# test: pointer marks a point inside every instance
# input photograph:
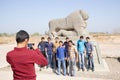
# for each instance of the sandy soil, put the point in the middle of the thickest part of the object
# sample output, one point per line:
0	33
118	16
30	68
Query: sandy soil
114	74
110	49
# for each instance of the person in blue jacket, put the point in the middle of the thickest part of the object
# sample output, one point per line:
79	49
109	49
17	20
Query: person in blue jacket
81	51
60	55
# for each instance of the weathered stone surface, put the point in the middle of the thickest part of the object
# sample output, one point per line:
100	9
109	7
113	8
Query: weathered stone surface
75	24
66	33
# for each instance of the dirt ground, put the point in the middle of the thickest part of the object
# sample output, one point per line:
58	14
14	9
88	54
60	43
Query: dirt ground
114	74
114	66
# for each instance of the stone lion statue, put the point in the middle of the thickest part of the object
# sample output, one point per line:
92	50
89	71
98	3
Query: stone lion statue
73	24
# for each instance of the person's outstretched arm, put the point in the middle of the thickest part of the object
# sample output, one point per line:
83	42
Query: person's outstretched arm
39	58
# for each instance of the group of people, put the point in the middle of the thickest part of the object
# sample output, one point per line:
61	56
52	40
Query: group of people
67	55
53	55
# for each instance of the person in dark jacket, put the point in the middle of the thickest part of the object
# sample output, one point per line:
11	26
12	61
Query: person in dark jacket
41	46
49	52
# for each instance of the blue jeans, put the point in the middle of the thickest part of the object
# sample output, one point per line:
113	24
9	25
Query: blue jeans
81	60
90	61
63	66
49	58
72	65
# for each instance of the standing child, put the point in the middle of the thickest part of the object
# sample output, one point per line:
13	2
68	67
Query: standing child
61	58
89	53
73	58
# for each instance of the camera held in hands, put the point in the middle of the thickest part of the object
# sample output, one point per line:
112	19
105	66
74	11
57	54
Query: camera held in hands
30	45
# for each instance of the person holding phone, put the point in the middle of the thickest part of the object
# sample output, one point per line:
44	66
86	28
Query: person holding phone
22	59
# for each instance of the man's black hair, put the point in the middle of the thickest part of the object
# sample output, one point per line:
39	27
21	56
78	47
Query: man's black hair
81	37
49	38
67	37
21	36
71	42
60	41
87	37
56	37
42	38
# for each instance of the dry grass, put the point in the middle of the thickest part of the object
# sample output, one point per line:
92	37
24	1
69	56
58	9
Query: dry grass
107	38
101	38
7	40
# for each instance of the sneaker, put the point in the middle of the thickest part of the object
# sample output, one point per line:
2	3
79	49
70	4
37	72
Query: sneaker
64	74
72	75
58	73
40	69
67	73
92	70
46	67
88	68
78	69
83	69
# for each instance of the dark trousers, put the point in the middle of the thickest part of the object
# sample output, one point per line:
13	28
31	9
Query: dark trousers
90	61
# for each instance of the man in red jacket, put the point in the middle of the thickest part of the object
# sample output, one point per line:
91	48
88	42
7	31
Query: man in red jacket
22	59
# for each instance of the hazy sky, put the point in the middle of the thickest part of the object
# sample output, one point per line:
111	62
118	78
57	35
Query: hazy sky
34	15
